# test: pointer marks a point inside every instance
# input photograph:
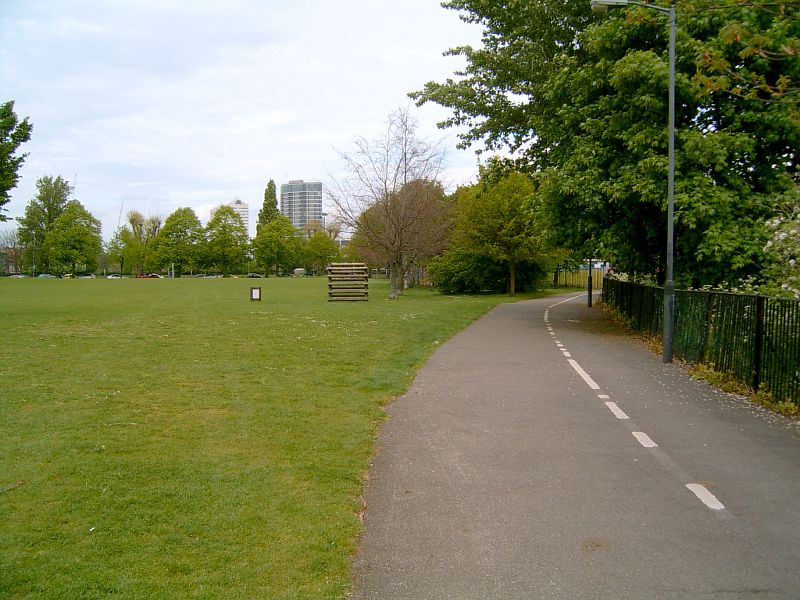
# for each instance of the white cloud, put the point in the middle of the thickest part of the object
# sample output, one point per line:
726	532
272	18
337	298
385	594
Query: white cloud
161	104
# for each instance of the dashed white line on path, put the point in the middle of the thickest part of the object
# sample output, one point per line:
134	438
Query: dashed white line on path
644	439
697	489
584	375
618	412
706	497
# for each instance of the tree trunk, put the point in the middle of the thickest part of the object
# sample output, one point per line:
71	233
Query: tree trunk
512	277
392	280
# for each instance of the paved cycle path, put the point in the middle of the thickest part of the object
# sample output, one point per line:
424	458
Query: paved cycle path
540	453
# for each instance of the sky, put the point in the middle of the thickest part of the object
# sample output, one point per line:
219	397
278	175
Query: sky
153	105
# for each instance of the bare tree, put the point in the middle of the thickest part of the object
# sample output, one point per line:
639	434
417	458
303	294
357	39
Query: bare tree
392	199
12	251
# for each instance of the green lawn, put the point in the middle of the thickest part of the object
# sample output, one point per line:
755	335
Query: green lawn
172	439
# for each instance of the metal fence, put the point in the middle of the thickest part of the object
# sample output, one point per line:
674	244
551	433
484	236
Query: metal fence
754	338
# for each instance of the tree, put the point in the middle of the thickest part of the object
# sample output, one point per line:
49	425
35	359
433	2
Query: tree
320	250
75	238
115	248
227	241
391	193
277	245
11	251
40	216
750	50
13	133
497	220
582	102
269	209
180	241
138	241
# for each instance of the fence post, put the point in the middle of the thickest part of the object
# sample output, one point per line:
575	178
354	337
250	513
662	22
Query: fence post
759	339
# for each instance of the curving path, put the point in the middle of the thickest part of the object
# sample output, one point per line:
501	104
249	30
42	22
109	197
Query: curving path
541	454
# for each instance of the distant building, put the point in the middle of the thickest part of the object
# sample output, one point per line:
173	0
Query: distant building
301	203
243	210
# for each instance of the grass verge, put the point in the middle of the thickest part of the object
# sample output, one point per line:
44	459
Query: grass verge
171	438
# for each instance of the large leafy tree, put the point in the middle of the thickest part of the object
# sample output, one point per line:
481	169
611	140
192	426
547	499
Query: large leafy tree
75	239
320	250
13	133
495	228
180	241
269	210
582	101
138	241
226	241
40	216
277	245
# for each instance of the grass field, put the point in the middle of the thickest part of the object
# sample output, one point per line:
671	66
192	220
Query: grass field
172	439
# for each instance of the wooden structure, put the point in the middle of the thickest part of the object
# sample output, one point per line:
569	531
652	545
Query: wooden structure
348	282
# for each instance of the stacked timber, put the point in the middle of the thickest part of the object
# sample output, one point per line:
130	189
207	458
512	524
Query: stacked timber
348	282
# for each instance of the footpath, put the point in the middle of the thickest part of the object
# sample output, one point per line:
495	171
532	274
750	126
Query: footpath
541	453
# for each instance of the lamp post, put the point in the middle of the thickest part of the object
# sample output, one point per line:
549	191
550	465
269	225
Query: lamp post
669	284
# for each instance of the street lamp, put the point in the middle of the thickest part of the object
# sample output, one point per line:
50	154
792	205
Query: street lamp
669	284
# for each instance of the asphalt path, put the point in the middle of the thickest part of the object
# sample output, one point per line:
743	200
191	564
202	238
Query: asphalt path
541	453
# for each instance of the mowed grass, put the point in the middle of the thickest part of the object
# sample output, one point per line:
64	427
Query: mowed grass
173	439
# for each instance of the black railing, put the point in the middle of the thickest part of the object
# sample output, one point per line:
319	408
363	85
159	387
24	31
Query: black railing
754	338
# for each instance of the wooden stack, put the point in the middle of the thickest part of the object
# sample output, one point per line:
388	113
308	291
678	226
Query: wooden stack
348	282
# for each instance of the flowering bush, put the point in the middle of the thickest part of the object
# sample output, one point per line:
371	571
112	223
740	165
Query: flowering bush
783	248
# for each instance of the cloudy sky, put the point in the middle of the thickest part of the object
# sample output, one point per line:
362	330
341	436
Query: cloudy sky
157	104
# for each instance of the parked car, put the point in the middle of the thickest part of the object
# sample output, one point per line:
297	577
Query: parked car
18	276
46	276
87	276
149	276
114	276
254	275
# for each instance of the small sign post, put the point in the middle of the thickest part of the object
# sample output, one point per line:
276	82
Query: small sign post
255	294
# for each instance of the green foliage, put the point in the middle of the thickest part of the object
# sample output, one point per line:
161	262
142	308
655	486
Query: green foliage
180	241
278	246
582	102
750	49
320	250
13	133
226	241
269	210
41	214
496	220
783	248
459	271
75	239
137	240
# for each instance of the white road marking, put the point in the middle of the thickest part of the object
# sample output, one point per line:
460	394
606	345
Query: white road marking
584	375
706	497
697	489
644	439
618	412
570	299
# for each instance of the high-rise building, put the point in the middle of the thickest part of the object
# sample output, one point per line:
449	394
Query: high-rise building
243	210
301	202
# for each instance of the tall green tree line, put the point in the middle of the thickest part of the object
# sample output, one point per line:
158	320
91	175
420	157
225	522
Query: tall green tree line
580	102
